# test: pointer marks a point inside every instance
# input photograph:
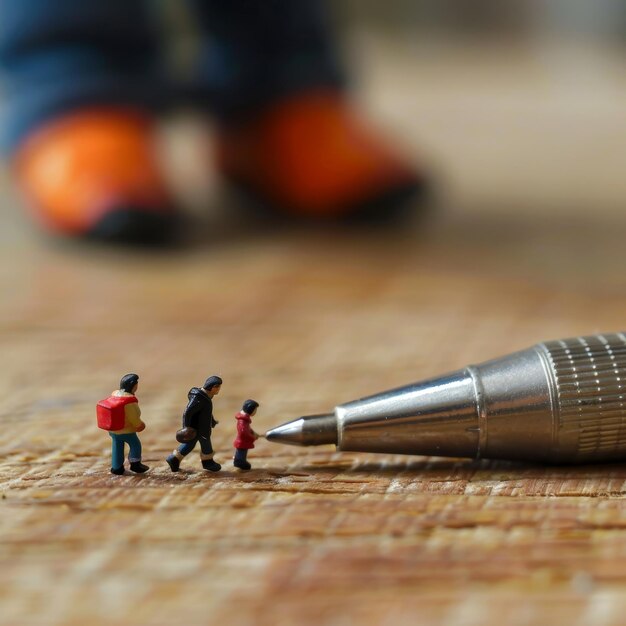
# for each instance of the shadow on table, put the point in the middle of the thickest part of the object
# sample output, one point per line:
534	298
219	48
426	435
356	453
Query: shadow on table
431	469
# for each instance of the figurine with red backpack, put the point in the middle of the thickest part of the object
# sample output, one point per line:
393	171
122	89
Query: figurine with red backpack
120	415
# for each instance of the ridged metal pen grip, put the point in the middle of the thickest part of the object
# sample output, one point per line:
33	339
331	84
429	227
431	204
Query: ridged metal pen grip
558	402
589	376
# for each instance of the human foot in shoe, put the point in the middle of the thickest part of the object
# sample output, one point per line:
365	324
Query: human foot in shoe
313	156
94	174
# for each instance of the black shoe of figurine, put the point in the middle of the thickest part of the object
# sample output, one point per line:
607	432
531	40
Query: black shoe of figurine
242	465
117	470
173	462
211	465
138	467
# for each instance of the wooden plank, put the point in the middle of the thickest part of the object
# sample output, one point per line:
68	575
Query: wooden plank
299	321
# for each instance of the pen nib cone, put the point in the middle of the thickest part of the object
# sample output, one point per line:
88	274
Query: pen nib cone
290	433
310	430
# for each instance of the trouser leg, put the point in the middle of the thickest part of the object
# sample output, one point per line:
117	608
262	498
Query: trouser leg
257	52
134	444
117	451
206	449
241	455
184	449
62	54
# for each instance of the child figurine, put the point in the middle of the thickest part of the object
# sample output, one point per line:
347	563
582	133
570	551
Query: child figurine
121	416
245	435
198	423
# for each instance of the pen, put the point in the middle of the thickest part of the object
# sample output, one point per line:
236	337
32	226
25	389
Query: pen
560	401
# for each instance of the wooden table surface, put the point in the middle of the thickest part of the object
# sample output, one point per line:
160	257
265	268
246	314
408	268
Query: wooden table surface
301	321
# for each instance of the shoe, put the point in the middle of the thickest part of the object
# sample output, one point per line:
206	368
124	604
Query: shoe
312	156
94	174
117	470
242	465
173	462
138	467
211	465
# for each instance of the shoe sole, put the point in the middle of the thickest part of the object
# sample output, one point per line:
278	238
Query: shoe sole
128	226
392	205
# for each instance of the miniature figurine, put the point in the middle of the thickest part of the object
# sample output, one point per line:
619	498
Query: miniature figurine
245	435
198	422
121	416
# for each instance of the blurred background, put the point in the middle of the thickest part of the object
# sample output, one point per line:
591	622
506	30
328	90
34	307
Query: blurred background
512	103
514	107
516	110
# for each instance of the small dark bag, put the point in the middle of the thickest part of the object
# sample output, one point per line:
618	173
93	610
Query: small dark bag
187	434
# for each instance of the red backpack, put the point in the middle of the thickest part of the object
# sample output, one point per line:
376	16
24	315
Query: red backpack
110	412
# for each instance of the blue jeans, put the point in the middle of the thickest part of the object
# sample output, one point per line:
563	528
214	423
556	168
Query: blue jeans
117	449
205	447
58	55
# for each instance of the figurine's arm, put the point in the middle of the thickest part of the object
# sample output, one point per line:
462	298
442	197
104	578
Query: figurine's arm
132	413
190	416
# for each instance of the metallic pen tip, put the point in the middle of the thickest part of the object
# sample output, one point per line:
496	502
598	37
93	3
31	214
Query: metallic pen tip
290	433
310	430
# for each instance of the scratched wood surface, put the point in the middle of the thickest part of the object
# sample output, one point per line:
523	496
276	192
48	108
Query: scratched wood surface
301	321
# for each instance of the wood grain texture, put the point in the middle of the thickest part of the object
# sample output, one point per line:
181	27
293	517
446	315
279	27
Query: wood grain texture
299	321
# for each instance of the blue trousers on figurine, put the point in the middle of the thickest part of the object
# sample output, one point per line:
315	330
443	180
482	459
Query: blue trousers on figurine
117	449
59	55
205	447
241	455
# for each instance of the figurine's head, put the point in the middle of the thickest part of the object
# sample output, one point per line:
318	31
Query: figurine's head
129	383
212	386
250	407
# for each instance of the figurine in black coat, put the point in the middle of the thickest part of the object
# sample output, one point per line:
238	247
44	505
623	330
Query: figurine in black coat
198	423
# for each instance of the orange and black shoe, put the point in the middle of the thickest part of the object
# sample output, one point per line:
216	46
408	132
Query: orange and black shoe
94	174
311	156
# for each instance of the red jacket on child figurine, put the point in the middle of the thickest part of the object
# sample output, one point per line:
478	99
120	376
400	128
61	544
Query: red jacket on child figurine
245	435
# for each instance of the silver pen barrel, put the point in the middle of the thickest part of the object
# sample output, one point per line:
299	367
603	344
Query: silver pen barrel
560	401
